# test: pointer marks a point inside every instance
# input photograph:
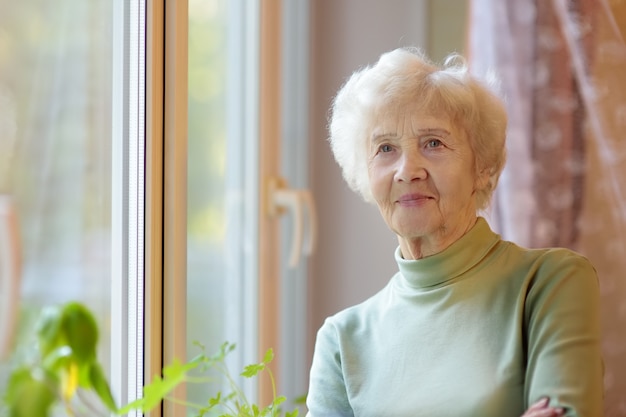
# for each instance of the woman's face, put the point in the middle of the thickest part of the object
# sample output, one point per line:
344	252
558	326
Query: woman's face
422	176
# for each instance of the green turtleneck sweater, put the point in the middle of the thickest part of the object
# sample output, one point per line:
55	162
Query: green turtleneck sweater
483	329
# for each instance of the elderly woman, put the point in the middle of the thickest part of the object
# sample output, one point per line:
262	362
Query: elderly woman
470	325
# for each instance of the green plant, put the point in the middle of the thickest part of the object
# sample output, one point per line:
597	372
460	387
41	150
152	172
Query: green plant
65	366
64	362
233	403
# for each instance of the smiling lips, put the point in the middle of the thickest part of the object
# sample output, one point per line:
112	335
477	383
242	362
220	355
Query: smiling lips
413	199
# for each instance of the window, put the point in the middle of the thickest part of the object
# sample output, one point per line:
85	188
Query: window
56	154
142	198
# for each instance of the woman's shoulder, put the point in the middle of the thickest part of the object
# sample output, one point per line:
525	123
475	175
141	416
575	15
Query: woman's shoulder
535	270
553	269
549	257
361	313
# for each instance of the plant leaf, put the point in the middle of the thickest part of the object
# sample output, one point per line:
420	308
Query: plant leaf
269	356
215	400
48	329
156	391
301	400
101	386
81	331
31	394
252	370
58	359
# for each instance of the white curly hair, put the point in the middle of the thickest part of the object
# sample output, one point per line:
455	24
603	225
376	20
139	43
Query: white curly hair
405	77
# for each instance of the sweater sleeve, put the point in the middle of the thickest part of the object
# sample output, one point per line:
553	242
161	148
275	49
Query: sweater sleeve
327	394
563	335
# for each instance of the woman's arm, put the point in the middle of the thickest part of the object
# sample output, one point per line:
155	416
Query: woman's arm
563	335
327	395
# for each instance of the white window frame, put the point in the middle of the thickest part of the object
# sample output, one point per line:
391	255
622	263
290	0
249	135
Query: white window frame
127	218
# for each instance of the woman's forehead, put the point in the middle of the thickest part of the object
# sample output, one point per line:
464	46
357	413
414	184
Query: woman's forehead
413	119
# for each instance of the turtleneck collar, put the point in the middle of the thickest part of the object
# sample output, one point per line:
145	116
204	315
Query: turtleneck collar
451	262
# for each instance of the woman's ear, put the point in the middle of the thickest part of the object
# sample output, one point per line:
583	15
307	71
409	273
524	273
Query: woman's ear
482	179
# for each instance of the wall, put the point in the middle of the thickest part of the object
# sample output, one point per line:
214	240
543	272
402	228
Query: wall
354	257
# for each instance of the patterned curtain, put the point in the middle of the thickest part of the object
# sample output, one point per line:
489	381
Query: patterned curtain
557	132
562	67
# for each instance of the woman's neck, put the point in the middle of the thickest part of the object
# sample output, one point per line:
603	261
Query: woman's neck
428	245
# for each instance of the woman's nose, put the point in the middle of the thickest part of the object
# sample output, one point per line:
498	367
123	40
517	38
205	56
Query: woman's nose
410	167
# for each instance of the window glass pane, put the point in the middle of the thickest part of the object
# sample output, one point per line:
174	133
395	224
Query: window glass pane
207	226
222	232
55	152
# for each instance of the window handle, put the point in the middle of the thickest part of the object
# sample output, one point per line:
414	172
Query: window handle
9	273
300	203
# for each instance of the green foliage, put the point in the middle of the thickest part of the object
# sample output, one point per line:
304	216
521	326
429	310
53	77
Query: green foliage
67	338
30	393
231	403
66	363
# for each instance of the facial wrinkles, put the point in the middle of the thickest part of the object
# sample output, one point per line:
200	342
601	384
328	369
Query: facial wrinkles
442	131
408	133
406	136
461	152
392	122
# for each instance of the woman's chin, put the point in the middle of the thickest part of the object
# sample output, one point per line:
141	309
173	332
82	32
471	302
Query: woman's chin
412	232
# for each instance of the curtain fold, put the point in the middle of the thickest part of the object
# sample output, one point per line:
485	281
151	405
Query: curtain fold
501	40
557	141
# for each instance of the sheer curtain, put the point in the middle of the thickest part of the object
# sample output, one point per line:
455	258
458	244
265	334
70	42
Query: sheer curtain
562	65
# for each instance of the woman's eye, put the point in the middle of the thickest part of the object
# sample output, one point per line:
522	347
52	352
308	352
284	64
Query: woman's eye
385	148
433	143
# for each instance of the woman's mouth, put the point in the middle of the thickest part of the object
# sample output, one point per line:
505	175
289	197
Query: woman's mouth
413	199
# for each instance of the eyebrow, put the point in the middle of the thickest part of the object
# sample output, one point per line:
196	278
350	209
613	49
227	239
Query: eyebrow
379	136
